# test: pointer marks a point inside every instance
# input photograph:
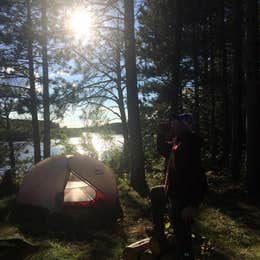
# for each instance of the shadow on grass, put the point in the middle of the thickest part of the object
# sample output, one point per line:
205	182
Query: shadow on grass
228	236
71	224
104	247
230	199
72	234
133	204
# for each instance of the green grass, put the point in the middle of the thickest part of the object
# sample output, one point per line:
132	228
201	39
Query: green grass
59	250
229	221
234	239
227	228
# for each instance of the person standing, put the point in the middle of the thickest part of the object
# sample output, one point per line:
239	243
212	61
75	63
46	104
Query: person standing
185	184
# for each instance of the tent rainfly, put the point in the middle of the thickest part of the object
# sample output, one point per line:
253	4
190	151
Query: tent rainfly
72	181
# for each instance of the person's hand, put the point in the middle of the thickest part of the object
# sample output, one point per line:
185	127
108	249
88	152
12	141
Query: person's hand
188	214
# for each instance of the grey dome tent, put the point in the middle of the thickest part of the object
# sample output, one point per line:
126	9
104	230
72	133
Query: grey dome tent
75	181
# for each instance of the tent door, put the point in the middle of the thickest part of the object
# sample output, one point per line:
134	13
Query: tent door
78	191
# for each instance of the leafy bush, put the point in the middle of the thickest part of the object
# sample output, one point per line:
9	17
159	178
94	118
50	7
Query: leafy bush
114	159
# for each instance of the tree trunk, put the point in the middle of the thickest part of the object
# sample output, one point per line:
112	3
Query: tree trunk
237	84
122	108
205	94
196	94
46	102
222	72
252	99
137	177
177	30
35	123
194	47
10	142
213	135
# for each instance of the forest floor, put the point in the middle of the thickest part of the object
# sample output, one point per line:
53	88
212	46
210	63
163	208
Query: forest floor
227	228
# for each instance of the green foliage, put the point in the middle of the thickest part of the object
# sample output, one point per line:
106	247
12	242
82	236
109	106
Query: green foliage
23	165
113	158
104	129
153	161
22	129
205	43
3	149
94	116
67	147
131	199
87	145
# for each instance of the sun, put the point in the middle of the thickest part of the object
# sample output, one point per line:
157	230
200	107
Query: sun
81	23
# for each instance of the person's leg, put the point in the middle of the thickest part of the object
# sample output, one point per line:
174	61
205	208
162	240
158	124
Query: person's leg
182	236
158	201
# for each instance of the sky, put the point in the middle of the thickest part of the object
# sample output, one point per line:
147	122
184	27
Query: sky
78	23
72	117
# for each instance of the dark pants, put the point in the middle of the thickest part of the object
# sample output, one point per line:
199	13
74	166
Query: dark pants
182	229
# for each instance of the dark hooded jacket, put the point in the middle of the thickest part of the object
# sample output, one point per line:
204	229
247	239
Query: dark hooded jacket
185	180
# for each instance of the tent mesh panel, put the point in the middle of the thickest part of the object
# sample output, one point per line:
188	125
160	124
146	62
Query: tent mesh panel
77	190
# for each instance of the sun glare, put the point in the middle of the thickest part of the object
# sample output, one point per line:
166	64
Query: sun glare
81	23
98	143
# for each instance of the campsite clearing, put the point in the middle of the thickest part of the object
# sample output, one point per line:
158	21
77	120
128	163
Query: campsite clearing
221	234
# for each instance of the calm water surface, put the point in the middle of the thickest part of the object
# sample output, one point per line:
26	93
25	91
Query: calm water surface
100	144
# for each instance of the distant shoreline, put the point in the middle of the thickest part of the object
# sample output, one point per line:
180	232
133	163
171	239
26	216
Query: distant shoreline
22	131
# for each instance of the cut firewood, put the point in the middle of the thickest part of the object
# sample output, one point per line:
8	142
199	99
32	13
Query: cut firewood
133	251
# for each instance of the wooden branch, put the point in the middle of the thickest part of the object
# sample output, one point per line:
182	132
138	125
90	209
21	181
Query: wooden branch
106	107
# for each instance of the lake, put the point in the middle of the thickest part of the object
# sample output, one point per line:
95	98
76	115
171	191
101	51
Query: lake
99	142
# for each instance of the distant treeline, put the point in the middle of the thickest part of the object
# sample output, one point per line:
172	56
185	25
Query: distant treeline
22	130
113	128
